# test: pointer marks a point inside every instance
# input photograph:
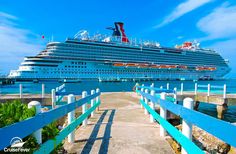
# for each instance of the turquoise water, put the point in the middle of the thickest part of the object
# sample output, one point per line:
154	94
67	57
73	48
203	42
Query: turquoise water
35	88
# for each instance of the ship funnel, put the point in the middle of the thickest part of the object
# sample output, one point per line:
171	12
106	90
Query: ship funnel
119	31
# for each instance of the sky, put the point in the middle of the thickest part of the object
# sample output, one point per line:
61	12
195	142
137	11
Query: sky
170	22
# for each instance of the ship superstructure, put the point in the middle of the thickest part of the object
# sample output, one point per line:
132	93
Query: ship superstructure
117	57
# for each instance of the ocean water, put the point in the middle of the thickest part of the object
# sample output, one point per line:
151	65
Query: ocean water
35	88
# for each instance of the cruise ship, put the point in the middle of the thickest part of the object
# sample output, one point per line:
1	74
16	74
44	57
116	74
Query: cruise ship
118	57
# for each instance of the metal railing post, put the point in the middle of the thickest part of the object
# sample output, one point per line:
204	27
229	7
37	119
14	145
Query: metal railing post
97	98
181	88
71	117
163	114
195	90
146	102
92	102
84	108
38	133
43	90
167	86
21	90
175	95
224	93
53	98
187	126
152	106
208	89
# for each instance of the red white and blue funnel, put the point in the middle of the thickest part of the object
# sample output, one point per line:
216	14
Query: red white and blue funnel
120	32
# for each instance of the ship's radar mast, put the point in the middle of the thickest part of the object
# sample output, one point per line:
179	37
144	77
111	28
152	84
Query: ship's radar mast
82	34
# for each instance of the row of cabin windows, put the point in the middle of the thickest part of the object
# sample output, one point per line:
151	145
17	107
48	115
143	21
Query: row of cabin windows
79	63
68	66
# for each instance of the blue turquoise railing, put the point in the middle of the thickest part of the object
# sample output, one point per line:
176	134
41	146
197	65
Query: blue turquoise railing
27	127
220	129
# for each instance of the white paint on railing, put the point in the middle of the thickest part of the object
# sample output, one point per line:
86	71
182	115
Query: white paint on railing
146	102
38	133
152	85
181	88
175	95
97	98
224	92
142	98
84	108
53	98
163	114
57	89
92	102
71	117
187	126
167	86
43	90
152	106
208	89
195	91
21	90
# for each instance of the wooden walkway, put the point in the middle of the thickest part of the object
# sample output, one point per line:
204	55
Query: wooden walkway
120	126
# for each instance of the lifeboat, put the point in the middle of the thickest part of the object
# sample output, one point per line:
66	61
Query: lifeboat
183	67
172	66
155	66
131	64
118	64
201	68
212	68
164	66
143	65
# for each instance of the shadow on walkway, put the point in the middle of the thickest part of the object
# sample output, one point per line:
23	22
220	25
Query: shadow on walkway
107	135
93	137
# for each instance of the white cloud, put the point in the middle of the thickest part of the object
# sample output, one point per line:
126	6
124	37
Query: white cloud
15	43
181	10
220	23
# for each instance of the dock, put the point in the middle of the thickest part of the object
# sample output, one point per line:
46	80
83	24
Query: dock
119	127
121	122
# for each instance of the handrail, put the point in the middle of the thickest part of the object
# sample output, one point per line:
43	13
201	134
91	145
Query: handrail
28	126
157	90
49	145
183	140
210	124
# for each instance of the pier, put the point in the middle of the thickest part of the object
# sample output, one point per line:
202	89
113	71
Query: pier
123	122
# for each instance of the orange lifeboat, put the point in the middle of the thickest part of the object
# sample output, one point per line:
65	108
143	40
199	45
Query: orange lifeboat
172	66
118	64
183	67
212	68
155	66
131	64
143	65
164	66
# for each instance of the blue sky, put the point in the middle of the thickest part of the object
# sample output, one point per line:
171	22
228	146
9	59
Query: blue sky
22	23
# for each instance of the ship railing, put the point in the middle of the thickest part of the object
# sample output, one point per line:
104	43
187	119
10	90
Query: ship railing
35	124
218	128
